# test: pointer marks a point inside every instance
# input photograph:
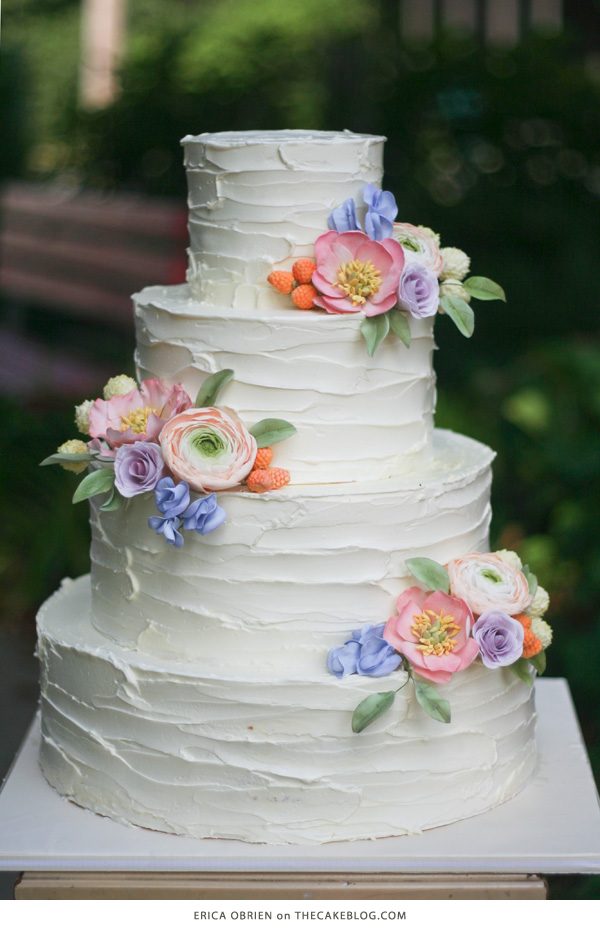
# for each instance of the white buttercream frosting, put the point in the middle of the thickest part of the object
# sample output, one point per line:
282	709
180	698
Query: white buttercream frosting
357	418
259	200
266	755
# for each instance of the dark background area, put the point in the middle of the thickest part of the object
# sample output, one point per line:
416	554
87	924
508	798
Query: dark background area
494	143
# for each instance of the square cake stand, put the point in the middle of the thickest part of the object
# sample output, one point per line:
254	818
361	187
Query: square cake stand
552	826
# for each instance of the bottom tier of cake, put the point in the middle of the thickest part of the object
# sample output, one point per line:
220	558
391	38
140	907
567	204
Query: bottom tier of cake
184	748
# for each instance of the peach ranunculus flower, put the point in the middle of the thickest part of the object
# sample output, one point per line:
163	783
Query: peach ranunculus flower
138	416
208	447
487	582
419	246
432	632
355	273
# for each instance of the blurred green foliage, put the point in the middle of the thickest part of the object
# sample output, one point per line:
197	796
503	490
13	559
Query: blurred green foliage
498	150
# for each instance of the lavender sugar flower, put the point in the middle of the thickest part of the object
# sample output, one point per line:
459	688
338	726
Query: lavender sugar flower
366	653
500	638
418	291
343	219
138	468
381	213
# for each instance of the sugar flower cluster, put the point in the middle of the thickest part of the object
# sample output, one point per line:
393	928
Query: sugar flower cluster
152	439
386	270
481	606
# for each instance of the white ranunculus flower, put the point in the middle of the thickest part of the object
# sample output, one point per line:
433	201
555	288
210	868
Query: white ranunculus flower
511	558
486	582
419	246
542	630
118	386
453	288
432	235
456	263
539	604
82	416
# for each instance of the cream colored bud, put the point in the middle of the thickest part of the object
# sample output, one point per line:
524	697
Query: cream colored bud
511	558
121	384
82	416
456	264
453	288
542	630
539	604
74	447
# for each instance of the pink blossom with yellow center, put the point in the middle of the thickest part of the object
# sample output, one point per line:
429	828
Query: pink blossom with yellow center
355	273
432	632
139	415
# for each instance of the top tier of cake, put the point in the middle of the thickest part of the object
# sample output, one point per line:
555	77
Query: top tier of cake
261	199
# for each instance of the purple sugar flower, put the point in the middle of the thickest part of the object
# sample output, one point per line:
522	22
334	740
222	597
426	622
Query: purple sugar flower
343	219
204	515
381	213
172	499
169	528
418	291
500	638
138	468
366	653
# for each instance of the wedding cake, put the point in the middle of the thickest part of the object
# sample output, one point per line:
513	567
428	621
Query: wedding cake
229	668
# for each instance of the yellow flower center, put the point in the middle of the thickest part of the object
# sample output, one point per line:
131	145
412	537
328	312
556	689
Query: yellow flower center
436	632
136	419
358	280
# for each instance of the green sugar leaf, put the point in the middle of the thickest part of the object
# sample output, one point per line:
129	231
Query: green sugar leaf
374	330
531	579
430	573
539	662
95	483
460	313
59	457
208	393
399	325
431	702
371	708
520	668
113	502
484	289
266	432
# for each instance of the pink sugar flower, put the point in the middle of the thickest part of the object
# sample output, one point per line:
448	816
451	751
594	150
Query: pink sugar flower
432	632
355	273
139	415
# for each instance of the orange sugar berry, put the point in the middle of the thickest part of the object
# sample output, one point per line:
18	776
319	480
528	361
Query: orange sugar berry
304	296
524	620
303	270
531	645
282	280
267	479
263	458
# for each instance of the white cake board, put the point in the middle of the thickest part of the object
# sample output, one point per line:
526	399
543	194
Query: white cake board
552	826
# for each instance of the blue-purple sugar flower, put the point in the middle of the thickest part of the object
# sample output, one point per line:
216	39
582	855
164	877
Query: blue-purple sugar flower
343	219
204	515
169	528
500	638
381	213
172	499
365	653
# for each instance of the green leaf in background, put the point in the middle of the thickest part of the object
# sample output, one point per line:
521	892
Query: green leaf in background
208	393
59	457
374	330
460	313
484	289
520	668
430	573
431	702
531	579
371	708
539	662
115	501
266	432
399	325
98	481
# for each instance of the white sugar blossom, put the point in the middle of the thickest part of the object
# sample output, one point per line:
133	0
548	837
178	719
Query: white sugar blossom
77	447
453	288
432	235
82	416
456	264
511	558
539	604
542	630
116	387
